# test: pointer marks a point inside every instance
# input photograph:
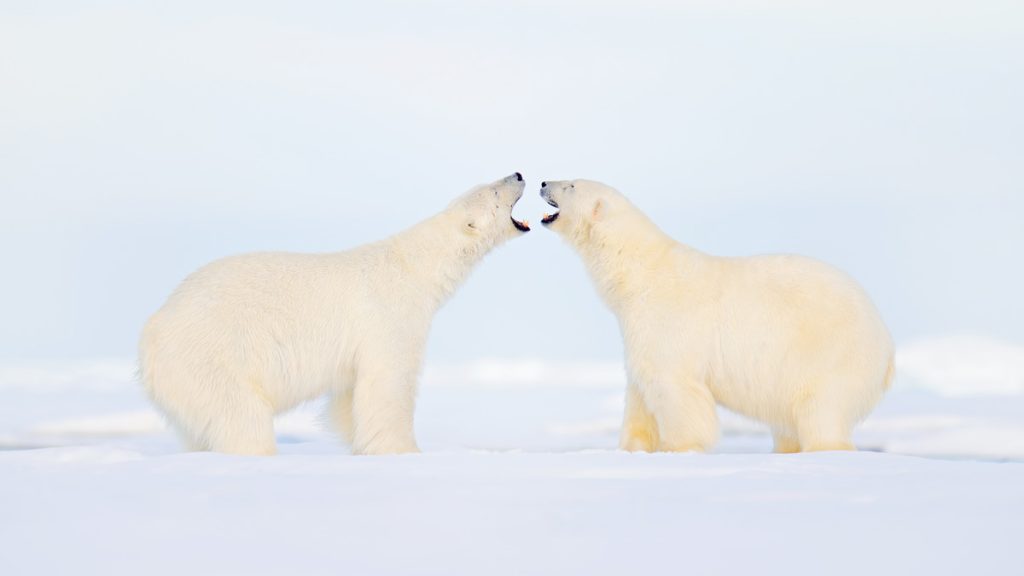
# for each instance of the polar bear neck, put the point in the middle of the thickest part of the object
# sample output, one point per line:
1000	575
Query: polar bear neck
438	256
620	254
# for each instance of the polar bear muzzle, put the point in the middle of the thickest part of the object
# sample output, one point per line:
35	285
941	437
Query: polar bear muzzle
546	195
521	225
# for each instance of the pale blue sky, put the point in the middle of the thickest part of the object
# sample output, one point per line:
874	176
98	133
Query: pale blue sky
140	140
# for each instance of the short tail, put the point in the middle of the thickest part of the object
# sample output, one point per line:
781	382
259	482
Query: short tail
890	373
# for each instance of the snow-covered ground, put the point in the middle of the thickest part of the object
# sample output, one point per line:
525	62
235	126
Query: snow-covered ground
519	476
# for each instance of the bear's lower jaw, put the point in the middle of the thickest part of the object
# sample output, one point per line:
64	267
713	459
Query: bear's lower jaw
523	226
549	218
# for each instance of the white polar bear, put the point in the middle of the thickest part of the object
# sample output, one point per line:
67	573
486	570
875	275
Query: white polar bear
250	336
786	340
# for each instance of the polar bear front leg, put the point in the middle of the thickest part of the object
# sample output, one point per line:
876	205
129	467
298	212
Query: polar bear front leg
639	429
785	442
383	403
339	411
685	413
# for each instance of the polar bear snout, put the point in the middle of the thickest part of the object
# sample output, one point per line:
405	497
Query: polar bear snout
512	178
511	189
548	192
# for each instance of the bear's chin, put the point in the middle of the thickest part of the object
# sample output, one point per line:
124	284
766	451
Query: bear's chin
523	226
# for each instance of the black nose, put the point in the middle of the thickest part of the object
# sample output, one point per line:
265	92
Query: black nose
543	184
519	177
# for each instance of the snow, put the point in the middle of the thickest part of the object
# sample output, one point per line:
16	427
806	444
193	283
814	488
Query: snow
315	511
519	475
963	365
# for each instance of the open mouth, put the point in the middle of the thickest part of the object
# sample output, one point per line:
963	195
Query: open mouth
549	218
521	225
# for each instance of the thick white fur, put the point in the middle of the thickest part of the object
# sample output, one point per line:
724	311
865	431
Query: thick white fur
786	340
250	336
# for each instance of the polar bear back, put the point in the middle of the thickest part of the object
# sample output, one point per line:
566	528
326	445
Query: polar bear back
790	324
297	320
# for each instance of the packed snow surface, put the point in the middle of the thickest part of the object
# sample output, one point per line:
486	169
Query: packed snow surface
519	475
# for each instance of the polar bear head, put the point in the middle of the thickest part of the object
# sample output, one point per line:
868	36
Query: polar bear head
485	213
585	208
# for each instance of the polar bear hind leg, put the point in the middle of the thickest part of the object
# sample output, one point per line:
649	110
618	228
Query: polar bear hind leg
247	428
823	422
219	416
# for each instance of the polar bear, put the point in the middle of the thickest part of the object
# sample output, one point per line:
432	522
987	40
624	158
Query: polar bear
785	340
250	336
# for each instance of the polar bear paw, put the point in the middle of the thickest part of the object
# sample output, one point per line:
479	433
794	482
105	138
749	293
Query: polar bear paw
635	440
